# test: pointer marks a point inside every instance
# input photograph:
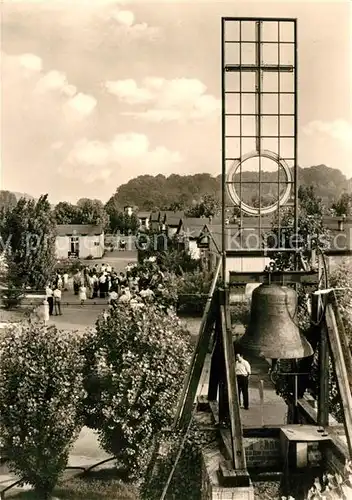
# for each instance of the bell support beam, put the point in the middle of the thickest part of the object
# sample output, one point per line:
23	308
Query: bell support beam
281	278
238	454
341	371
323	360
184	410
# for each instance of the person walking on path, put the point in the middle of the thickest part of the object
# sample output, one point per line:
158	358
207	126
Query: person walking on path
82	294
65	281
57	301
243	371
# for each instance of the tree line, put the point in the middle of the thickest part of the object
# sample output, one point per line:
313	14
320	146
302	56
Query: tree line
196	195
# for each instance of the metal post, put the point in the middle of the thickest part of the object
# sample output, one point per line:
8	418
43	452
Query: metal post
296	135
223	152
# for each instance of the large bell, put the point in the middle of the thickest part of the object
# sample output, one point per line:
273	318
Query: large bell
273	331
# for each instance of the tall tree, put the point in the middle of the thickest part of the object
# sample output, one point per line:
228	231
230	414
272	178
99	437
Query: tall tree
343	206
67	213
92	212
311	230
30	231
209	206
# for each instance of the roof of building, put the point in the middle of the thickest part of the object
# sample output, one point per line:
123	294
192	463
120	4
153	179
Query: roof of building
166	214
78	230
192	226
143	215
155	216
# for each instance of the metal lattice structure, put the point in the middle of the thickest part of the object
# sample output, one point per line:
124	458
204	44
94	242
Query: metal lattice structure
259	120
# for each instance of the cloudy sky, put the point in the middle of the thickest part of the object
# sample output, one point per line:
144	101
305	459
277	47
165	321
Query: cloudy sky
95	93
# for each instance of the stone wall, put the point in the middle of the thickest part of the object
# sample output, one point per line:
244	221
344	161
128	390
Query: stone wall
263	452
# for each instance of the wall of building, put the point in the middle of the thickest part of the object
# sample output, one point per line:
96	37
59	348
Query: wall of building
88	245
91	245
193	249
63	247
144	223
246	264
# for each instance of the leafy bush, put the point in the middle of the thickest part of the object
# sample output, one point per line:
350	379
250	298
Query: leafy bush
135	367
41	390
192	290
12	298
341	277
70	266
187	478
169	253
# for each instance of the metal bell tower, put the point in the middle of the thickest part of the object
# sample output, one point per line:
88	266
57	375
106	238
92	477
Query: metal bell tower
259	120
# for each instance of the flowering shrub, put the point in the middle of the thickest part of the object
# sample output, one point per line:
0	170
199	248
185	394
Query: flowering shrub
135	367
41	390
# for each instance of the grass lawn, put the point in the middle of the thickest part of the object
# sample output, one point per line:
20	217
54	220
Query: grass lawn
85	489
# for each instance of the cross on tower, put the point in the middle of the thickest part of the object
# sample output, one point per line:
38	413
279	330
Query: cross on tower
258	68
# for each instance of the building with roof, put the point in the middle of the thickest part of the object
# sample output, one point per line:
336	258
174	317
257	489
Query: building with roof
244	244
144	220
80	241
189	231
170	222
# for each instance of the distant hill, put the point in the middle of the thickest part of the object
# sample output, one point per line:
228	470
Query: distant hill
23	195
10	198
159	192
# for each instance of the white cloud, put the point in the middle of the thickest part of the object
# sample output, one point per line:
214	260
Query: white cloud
338	129
30	62
82	104
23	73
56	80
128	91
97	160
177	99
125	20
125	17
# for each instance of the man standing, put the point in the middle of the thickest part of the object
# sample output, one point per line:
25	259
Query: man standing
57	299
50	298
243	371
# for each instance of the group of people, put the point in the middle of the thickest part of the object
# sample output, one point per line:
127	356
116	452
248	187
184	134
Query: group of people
103	282
89	283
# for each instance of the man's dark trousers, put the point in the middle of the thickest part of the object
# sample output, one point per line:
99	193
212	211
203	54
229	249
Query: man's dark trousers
242	383
51	305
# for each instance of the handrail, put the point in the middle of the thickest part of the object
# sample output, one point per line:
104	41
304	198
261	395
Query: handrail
202	330
339	362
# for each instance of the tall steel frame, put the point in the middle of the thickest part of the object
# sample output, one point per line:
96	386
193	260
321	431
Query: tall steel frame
260	48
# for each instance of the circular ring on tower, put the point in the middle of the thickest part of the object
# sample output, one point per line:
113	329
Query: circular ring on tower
282	198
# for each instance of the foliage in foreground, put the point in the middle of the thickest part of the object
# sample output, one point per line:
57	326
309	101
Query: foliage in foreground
86	489
41	390
331	486
135	367
192	290
186	481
